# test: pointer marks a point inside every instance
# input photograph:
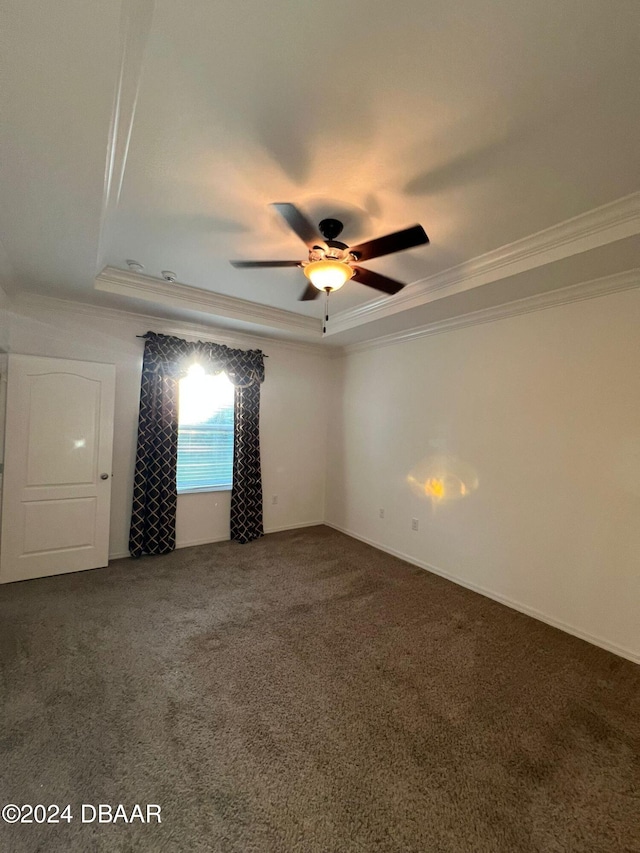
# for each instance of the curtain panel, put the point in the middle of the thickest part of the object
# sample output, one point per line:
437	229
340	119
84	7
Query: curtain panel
166	360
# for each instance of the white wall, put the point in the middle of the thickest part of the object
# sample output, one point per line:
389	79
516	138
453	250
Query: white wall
4	320
293	414
544	409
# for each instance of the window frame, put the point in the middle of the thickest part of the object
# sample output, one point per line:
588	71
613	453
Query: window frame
192	490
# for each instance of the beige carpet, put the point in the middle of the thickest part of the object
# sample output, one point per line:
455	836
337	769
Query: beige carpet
308	693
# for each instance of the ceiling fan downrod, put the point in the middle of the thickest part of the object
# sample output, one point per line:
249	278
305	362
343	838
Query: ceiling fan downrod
330	228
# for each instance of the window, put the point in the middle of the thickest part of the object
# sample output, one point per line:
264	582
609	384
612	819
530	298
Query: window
205	432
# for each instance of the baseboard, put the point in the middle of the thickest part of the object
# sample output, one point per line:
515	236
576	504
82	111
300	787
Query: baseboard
292	526
205	541
192	544
503	599
179	546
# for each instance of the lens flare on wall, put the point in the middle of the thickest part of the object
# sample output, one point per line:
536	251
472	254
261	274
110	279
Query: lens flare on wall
442	478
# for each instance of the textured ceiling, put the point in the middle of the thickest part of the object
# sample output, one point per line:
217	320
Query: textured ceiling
484	120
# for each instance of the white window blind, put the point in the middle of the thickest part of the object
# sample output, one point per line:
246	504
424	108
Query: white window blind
205	432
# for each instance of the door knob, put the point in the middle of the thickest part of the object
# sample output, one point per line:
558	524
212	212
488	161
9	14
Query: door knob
104	476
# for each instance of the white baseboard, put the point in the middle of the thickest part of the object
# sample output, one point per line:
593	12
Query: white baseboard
292	526
205	541
503	599
191	544
179	545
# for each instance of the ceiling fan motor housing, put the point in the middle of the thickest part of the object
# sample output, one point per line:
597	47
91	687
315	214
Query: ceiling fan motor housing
333	251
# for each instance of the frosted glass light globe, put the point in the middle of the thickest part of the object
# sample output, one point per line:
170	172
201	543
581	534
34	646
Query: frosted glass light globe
328	274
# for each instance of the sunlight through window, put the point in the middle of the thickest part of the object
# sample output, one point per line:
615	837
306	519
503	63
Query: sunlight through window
205	432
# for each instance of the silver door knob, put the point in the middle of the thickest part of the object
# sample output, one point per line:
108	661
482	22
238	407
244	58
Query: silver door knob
104	476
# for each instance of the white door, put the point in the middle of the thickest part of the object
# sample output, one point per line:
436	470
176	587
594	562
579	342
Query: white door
57	467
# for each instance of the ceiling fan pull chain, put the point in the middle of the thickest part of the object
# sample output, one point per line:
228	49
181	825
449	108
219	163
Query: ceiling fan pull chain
327	291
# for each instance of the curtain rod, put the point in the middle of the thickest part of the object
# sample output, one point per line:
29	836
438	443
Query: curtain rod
144	337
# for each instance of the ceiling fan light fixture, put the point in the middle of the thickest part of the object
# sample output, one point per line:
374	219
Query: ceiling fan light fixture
328	274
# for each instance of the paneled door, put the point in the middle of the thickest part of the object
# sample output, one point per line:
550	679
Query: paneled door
57	471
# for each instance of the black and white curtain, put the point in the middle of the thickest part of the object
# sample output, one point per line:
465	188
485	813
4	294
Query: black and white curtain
166	360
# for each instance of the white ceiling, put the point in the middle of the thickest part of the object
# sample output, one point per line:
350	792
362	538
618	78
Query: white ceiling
486	121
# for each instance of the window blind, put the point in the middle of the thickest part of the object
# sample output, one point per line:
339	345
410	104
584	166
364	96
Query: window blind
205	453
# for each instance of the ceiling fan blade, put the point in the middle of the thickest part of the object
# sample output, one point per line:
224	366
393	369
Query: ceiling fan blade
299	223
374	279
396	242
310	292
256	264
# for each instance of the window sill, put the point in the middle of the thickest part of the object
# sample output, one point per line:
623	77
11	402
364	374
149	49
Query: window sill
203	489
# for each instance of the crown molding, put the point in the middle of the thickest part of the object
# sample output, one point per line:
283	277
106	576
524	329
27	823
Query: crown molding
144	287
169	327
593	289
597	227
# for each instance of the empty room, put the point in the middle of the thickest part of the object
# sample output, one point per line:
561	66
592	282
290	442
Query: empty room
320	426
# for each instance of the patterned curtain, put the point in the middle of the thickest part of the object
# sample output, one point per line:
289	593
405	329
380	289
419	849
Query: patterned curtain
166	360
246	495
153	516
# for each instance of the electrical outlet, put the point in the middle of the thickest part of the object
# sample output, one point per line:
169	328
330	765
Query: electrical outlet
274	500
381	512
414	523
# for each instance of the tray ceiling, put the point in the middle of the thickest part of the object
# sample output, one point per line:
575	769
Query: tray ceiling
486	121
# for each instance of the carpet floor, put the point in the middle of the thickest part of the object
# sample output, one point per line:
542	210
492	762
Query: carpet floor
308	693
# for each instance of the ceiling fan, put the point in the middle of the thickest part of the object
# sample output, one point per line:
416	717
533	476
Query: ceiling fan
332	263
